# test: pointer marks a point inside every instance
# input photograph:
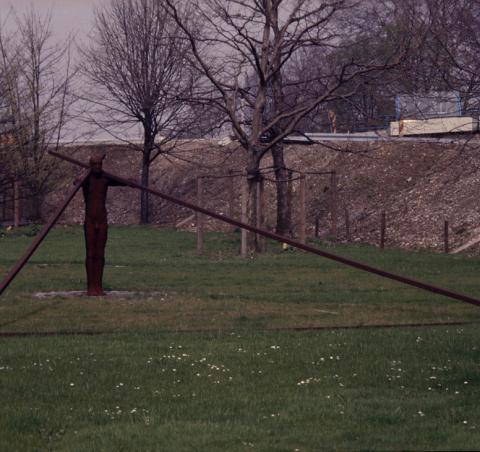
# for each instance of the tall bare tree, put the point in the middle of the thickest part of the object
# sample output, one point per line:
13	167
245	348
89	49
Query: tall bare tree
241	40
136	67
444	53
6	126
455	34
37	79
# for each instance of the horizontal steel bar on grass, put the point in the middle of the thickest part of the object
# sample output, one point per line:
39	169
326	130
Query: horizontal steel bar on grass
41	235
295	244
300	329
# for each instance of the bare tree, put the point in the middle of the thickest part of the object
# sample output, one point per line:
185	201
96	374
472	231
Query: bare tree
37	78
455	32
444	59
136	66
6	126
241	40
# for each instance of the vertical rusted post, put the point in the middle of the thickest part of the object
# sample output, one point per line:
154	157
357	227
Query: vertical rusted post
199	215
445	237
382	229
231	196
317	226
262	243
347	225
333	207
244	235
303	211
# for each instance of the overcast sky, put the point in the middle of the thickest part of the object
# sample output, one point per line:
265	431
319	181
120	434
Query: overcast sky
68	16
74	16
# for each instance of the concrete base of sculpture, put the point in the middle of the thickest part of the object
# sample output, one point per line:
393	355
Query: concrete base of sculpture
108	294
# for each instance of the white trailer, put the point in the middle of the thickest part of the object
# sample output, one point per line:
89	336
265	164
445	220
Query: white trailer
432	126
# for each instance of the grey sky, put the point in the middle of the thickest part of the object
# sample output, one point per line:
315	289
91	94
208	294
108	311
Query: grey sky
68	16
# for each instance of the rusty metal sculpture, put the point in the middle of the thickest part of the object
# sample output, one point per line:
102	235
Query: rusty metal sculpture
310	249
95	188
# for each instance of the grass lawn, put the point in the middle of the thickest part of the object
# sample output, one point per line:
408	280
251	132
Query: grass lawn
208	359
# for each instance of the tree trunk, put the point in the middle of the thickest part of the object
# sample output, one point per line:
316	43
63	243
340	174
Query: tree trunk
37	214
252	242
253	174
283	226
17	214
148	144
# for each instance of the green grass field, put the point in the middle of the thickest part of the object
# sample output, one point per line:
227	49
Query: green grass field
206	355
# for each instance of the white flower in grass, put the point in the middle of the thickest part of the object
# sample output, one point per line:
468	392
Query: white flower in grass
421	413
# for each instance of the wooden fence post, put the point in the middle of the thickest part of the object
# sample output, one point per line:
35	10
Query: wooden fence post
231	196
347	225
303	211
261	241
244	218
289	200
17	212
199	215
445	237
333	206
4	206
382	229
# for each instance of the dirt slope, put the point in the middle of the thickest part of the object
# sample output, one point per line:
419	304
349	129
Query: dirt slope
417	185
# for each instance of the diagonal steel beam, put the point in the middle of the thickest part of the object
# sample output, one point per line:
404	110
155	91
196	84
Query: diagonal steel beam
310	249
41	235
